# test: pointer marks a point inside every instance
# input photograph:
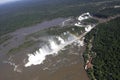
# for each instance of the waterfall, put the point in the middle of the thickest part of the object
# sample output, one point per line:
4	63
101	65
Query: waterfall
55	45
48	49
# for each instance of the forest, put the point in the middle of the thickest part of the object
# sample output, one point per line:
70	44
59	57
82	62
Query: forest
105	51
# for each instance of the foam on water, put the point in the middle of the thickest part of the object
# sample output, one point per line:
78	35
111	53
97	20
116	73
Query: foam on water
53	47
14	65
61	40
63	23
117	6
82	17
88	28
50	49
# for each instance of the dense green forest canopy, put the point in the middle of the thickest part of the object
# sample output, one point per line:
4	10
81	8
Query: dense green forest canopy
106	45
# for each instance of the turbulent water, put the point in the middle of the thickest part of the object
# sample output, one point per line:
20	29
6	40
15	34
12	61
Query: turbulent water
53	46
56	43
46	59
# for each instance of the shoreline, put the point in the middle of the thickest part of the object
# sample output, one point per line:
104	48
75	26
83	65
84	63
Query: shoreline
88	60
18	36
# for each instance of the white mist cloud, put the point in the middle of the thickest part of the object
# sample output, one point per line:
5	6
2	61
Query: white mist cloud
53	48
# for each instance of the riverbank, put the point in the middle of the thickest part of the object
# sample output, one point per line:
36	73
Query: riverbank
67	41
98	42
18	37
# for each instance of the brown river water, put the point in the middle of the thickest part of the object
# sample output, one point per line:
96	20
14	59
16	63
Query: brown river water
68	66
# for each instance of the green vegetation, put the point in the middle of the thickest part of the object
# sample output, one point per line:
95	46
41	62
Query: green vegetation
21	47
57	30
106	45
109	11
25	14
5	38
94	21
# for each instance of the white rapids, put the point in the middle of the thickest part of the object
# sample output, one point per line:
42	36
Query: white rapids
14	65
82	17
53	47
40	55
